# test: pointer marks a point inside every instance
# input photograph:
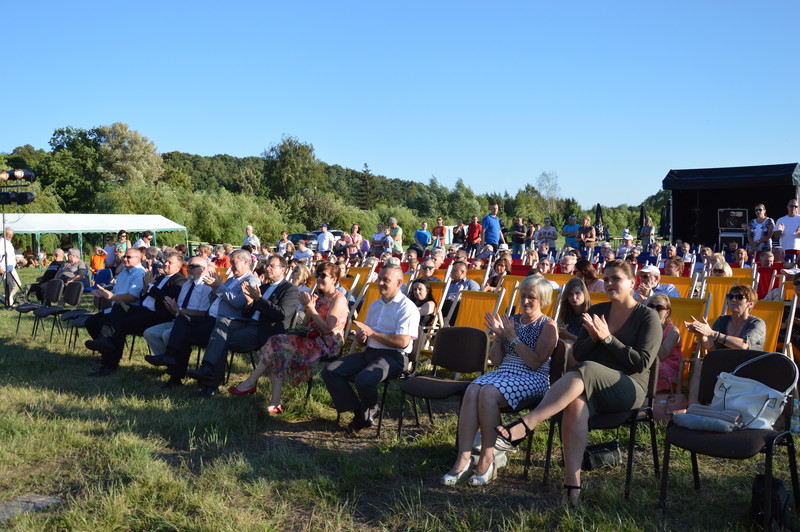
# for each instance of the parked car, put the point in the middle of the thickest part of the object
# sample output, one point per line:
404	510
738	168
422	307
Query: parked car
311	238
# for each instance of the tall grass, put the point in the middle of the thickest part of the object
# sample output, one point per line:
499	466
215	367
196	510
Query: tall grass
122	454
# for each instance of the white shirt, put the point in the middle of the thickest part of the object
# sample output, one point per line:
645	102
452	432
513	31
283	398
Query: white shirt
150	302
302	255
140	243
398	316
199	300
789	240
7	253
325	242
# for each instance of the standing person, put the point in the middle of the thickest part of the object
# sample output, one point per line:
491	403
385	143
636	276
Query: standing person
646	232
491	232
144	240
392	325
377	241
547	233
302	252
474	232
98	260
122	241
518	234
110	248
325	240
587	235
396	232
570	232
280	246
354	238
460	233
759	232
615	349
439	233
250	238
787	229
8	267
423	237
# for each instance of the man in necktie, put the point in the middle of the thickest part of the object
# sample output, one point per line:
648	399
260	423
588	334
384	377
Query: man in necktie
270	310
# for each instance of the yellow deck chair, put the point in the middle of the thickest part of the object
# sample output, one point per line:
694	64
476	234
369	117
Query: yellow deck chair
369	295
560	278
348	283
598	297
363	272
479	276
472	308
744	273
717	287
683	309
223	273
511	283
788	290
685	285
772	314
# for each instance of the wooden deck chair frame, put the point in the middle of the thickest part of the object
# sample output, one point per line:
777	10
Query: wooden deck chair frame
470	294
717	283
349	283
560	278
683	308
429	331
685	285
772	314
365	303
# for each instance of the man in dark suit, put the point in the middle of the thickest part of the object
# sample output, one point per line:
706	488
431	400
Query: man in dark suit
270	308
127	319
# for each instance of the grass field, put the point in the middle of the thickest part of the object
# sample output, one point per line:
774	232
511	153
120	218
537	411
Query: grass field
121	454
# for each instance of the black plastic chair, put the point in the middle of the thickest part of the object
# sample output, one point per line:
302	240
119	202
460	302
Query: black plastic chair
773	369
72	298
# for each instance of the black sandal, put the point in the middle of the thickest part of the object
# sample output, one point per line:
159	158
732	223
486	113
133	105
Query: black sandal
568	498
507	428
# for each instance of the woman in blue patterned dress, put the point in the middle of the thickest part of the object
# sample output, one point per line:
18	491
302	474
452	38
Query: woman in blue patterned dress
522	348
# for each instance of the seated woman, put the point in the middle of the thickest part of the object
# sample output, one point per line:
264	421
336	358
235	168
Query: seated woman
522	348
221	260
420	294
575	301
669	354
615	349
499	270
737	330
586	273
299	278
740	256
292	356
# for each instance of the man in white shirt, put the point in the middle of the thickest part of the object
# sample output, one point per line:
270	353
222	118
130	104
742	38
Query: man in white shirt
325	240
391	326
250	238
8	265
787	228
302	252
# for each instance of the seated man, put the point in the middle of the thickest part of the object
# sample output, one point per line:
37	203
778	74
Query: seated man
193	300
427	271
649	276
568	263
137	303
389	332
673	267
227	301
438	255
766	259
269	311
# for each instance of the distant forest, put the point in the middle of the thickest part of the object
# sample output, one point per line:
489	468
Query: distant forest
113	169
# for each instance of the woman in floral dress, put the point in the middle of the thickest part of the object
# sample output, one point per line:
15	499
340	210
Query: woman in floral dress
292	356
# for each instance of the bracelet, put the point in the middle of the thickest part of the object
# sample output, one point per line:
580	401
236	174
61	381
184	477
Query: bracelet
716	339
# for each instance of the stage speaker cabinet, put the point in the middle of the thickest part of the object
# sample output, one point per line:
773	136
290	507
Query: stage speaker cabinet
732	219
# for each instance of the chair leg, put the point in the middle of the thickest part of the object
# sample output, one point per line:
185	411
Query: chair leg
662	497
768	486
380	414
527	466
629	468
416	411
793	470
695	471
253	359
133	343
308	390
402	408
430	412
654	446
549	452
19	318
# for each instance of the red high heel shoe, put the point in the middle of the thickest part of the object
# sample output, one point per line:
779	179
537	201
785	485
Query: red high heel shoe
271	410
233	390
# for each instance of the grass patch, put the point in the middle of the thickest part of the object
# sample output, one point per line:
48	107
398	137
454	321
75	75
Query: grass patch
121	454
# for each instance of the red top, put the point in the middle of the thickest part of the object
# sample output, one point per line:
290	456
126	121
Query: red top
223	262
474	233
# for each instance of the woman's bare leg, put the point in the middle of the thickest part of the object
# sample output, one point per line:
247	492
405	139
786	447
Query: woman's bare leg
252	379
574	433
277	383
467	427
561	393
490	400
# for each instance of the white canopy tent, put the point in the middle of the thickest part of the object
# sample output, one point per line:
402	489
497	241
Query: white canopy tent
60	223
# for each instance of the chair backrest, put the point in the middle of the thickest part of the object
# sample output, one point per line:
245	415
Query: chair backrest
683	284
558	362
511	283
473	306
223	273
552	309
53	291
599	297
461	349
772	314
683	309
718	287
348	283
103	277
370	295
775	370
560	278
73	293
363	274
478	276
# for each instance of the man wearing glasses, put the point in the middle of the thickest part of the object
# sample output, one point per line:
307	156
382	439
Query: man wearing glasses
649	277
787	229
427	270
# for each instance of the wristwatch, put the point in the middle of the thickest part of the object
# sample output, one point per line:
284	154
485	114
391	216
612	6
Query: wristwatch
608	339
515	341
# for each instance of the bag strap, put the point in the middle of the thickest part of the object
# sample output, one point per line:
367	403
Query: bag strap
756	359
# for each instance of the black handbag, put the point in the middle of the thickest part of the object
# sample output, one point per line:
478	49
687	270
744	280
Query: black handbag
599	455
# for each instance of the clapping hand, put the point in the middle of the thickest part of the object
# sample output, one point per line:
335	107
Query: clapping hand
171	305
307	299
251	293
363	332
596	326
212	279
500	325
699	327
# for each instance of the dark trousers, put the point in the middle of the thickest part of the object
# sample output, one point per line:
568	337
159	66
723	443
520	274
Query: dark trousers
187	331
117	324
229	334
366	370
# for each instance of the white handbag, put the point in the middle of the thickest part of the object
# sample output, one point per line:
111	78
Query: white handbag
759	405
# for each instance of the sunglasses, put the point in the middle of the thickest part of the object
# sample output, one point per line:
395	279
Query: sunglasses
322	275
659	308
737	297
759	210
427	267
192	266
793	206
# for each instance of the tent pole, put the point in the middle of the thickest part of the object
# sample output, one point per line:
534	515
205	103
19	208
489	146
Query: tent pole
80	244
155	238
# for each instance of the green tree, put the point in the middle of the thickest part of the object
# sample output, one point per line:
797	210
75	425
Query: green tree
365	193
292	168
128	157
72	168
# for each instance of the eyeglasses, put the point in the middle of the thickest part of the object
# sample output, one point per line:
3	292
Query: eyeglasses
192	266
322	275
718	270
759	210
737	297
128	257
792	205
427	267
659	308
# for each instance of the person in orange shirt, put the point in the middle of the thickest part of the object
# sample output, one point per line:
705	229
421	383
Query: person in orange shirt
98	260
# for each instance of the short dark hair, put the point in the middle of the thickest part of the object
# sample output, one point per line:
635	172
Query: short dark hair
147	233
281	259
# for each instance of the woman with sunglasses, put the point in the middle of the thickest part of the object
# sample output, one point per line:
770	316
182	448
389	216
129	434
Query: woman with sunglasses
669	354
615	349
737	330
759	232
292	355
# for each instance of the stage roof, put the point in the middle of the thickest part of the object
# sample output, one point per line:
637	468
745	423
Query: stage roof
734	177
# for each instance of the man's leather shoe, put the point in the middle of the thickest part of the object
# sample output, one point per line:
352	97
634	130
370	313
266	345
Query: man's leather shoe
207	391
103	371
171	384
101	344
359	423
159	360
199	374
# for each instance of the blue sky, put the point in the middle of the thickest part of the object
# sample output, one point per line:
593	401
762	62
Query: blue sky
609	95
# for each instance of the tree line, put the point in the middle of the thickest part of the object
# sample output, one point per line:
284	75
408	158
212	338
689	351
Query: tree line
113	169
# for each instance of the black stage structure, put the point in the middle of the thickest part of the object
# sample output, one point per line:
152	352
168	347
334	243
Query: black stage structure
699	195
